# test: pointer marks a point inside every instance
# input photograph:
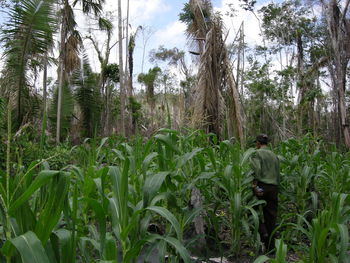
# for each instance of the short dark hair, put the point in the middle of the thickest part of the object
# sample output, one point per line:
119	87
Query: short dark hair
262	138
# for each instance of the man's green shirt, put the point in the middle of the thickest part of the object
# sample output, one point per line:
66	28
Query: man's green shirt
265	165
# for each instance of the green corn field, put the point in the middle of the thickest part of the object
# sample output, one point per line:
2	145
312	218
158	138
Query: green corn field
113	200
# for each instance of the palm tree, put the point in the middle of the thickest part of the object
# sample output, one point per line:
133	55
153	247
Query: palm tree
215	75
129	73
27	38
69	46
87	96
106	26
149	81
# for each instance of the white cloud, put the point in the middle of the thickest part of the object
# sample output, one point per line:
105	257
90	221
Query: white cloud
140	10
173	35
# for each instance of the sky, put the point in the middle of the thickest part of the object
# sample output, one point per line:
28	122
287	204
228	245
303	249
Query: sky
161	17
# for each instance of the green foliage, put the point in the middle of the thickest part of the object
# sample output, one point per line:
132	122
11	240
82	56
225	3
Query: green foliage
187	16
286	21
105	24
111	193
281	254
27	36
90	6
111	71
31	201
135	108
173	56
248	5
2	112
328	233
88	98
30	248
149	80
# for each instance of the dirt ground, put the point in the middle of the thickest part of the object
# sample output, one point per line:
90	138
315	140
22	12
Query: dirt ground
290	258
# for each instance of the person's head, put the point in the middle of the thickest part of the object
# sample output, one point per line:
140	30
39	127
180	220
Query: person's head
261	140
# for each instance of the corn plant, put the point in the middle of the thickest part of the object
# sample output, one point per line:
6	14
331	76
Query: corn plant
328	232
281	254
101	208
33	208
334	176
242	213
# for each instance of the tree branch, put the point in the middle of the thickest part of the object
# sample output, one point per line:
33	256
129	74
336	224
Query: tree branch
345	9
113	45
100	58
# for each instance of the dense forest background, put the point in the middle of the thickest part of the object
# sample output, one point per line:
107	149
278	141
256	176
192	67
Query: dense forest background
294	83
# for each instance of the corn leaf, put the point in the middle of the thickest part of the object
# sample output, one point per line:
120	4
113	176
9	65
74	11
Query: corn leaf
152	185
179	248
146	162
110	251
52	210
61	240
261	259
188	156
168	216
166	140
42	179
100	214
30	248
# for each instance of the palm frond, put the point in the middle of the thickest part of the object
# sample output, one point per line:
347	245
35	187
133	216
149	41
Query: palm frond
72	59
197	15
90	6
215	77
27	35
105	24
87	96
2	111
68	18
149	80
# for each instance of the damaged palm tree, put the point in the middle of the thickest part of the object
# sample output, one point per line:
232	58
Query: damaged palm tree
149	81
215	76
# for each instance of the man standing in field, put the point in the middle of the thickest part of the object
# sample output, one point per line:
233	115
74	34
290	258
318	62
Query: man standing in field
265	166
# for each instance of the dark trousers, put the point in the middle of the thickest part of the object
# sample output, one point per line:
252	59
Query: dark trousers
270	195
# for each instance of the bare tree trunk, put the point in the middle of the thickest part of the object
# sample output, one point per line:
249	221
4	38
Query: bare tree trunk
303	89
128	78
339	38
342	107
60	76
121	72
235	108
238	74
44	120
283	135
196	202
243	57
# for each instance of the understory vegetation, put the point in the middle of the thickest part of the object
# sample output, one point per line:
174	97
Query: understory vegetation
113	200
